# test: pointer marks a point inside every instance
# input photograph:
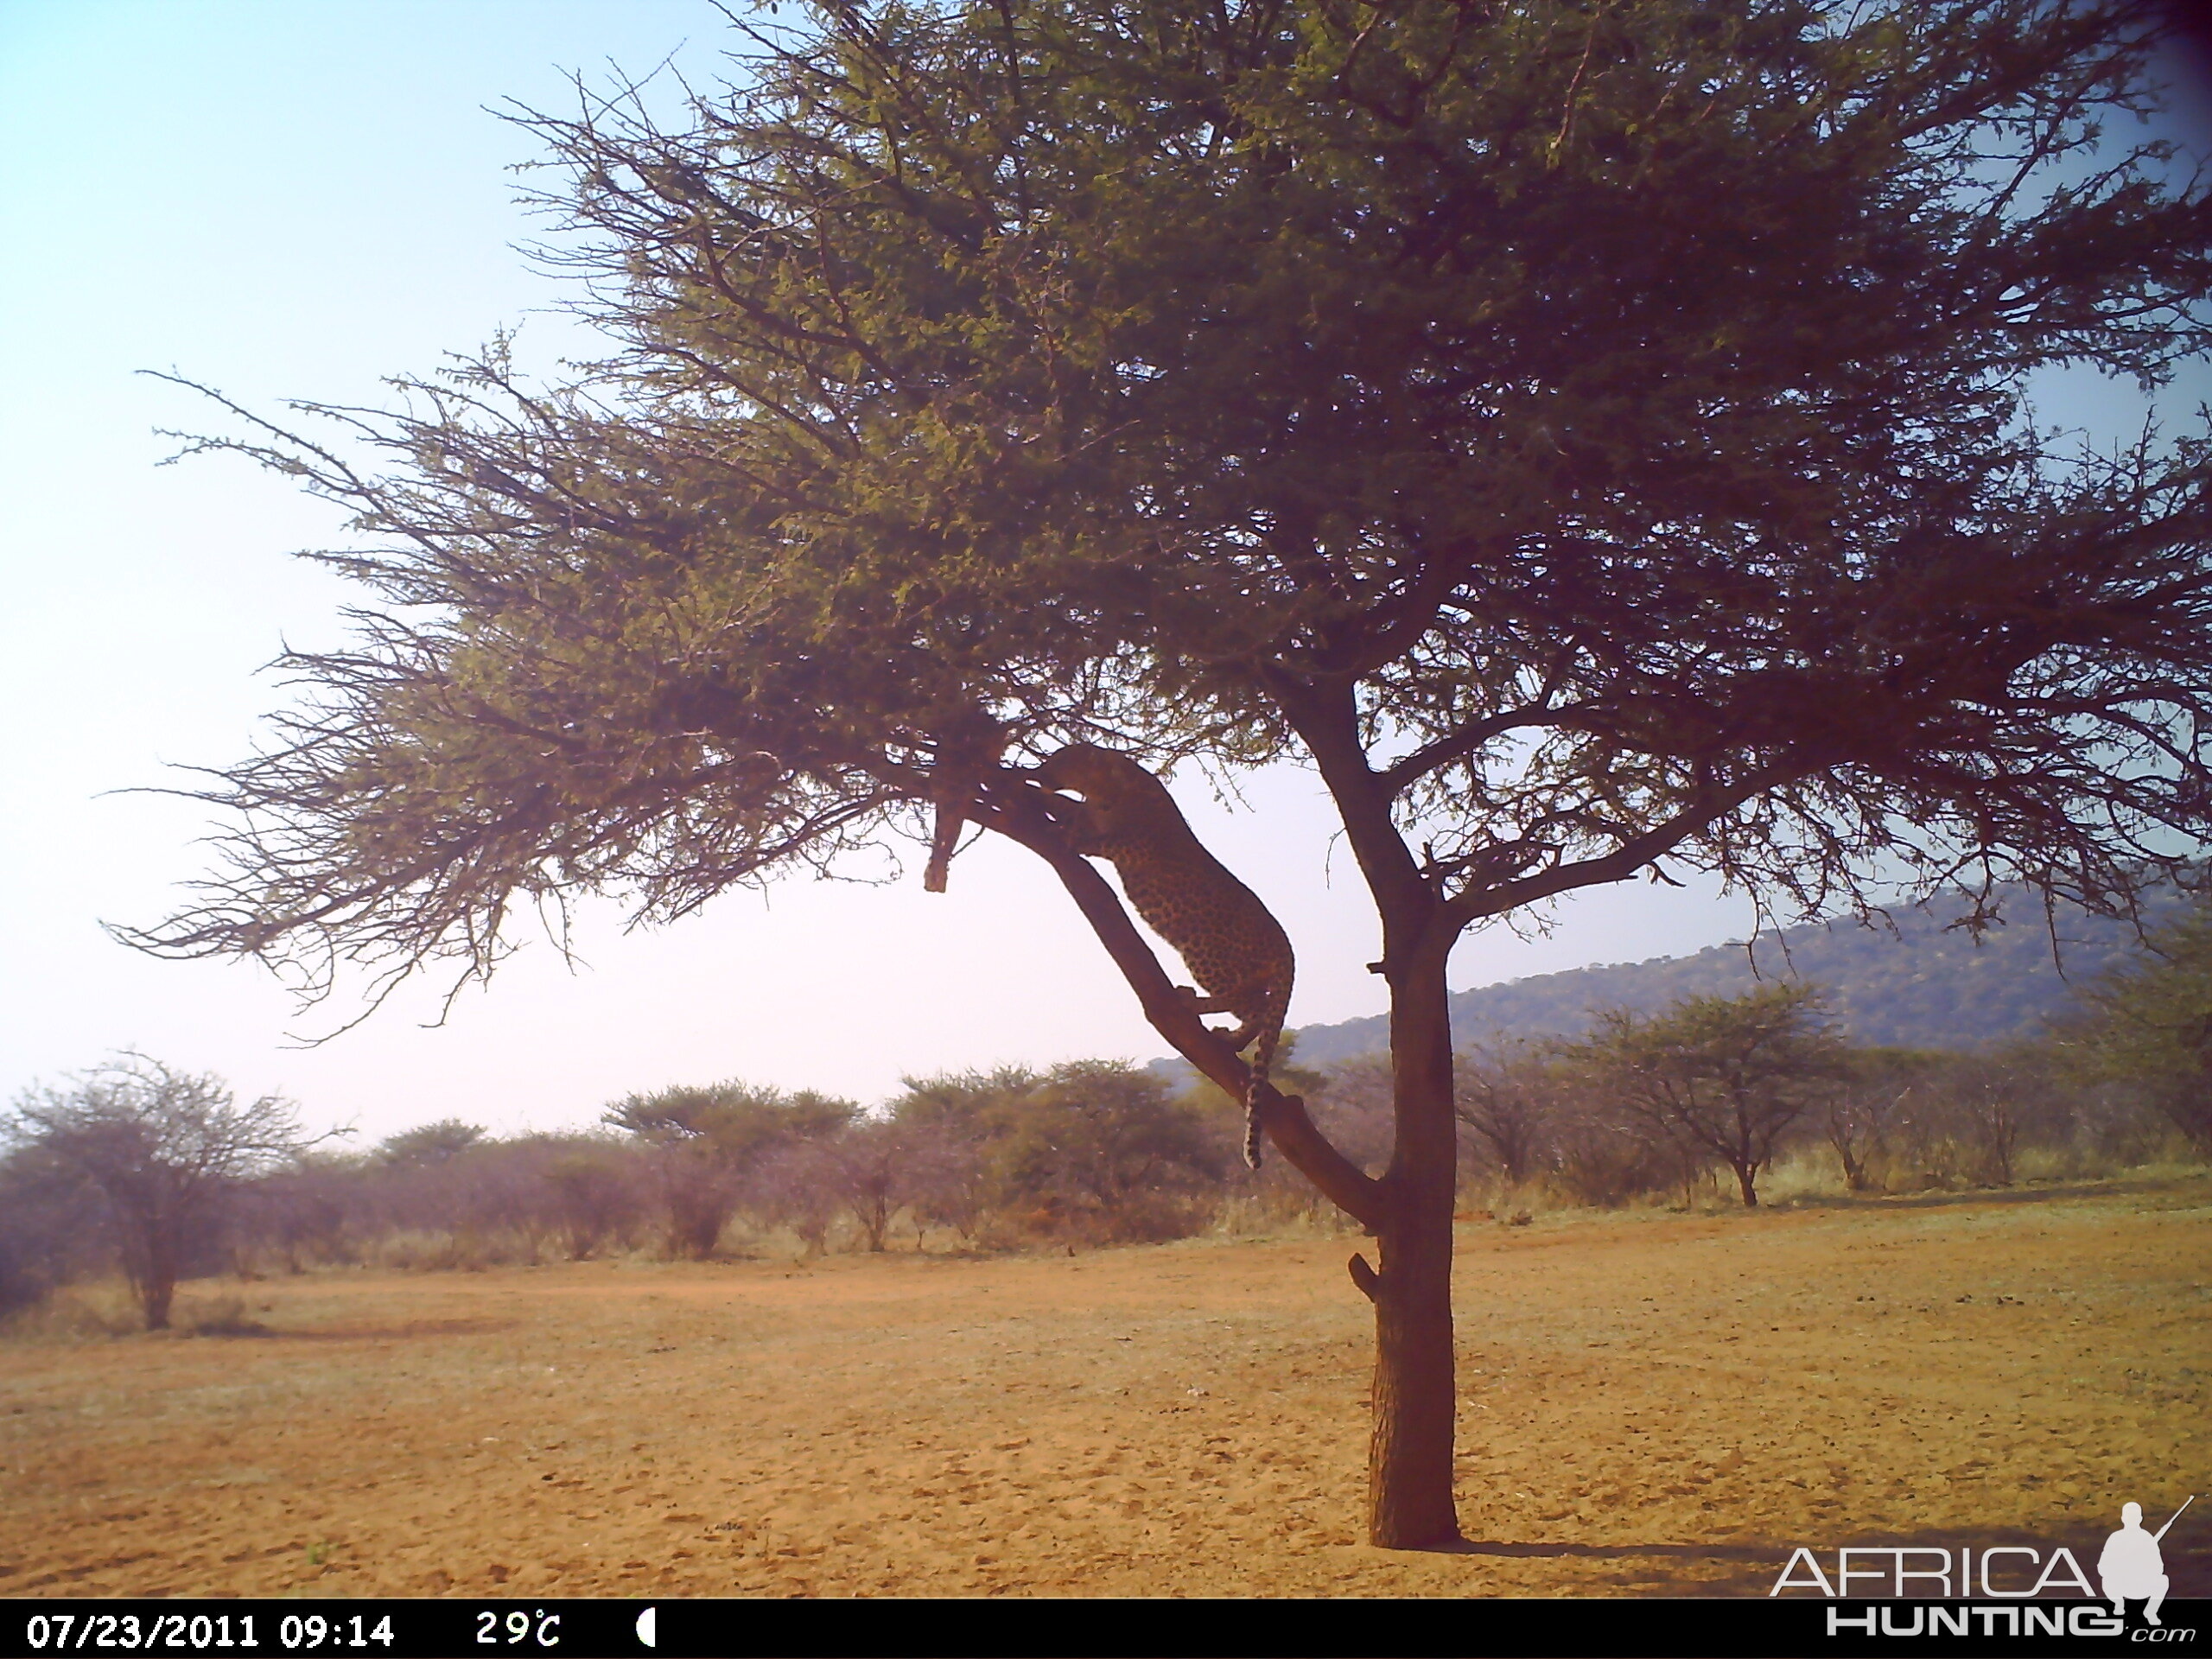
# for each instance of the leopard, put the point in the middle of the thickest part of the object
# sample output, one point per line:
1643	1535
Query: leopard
1232	945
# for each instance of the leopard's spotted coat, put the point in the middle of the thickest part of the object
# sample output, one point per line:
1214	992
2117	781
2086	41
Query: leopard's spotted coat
1233	947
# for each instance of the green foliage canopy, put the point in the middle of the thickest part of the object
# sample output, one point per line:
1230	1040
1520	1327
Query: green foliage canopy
731	1122
430	1144
1593	434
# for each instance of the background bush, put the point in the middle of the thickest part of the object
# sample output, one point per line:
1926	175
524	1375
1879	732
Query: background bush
1097	1152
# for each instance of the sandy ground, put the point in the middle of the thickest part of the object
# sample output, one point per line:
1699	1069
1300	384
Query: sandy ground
1651	1404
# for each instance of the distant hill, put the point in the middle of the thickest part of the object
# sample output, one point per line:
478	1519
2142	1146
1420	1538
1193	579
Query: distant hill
1921	987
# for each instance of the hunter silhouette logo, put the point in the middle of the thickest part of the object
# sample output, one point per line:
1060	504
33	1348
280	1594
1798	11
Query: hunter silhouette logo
2131	1565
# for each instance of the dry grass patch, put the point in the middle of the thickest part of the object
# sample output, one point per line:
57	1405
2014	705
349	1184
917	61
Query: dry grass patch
1650	1403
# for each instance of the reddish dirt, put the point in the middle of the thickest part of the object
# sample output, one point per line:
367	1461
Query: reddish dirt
1651	1404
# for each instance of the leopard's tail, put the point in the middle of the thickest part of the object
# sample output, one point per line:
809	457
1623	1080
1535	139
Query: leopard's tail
1263	1058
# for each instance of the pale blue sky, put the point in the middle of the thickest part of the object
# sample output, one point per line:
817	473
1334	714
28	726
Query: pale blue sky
294	200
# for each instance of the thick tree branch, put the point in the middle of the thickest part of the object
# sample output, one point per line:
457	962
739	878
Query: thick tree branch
1619	865
1325	717
1458	745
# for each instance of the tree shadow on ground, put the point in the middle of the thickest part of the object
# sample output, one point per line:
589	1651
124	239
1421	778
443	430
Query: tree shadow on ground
406	1331
1733	1569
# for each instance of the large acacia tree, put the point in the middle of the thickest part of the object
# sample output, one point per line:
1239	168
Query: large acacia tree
1595	437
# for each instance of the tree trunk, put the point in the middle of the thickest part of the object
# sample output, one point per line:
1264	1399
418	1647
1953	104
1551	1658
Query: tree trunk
1408	1212
158	1288
1746	1175
1410	1459
1854	1170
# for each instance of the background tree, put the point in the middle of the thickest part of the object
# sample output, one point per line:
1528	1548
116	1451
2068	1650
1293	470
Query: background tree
54	1223
1505	1093
167	1149
1606	1157
429	1145
303	1212
708	1140
2151	1025
1091	1150
873	1168
1860	1115
1725	1078
1991	1102
1591	437
1358	1107
949	1121
1101	1149
596	1199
